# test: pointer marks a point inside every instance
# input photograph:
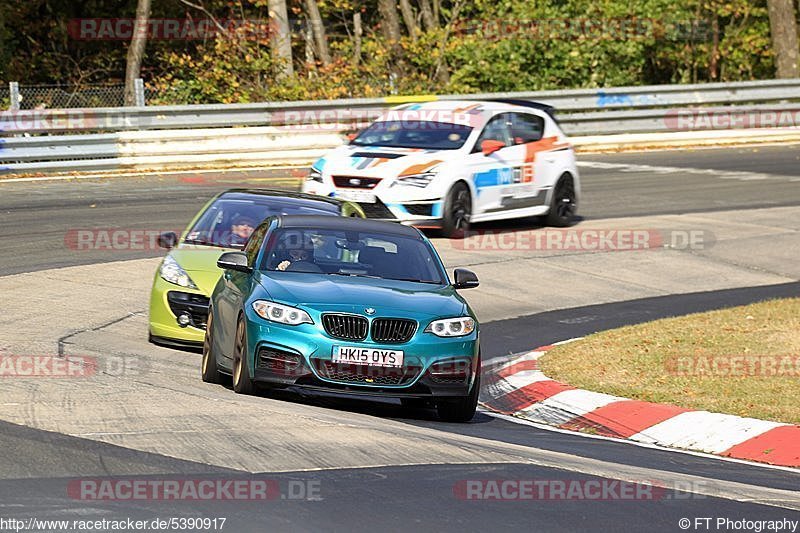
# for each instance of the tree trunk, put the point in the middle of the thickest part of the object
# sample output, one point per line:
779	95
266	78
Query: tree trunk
280	36
409	19
427	15
713	64
133	66
358	31
390	23
783	26
309	40
321	40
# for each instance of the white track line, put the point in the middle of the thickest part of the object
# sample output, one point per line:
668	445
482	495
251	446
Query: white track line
148	173
657	169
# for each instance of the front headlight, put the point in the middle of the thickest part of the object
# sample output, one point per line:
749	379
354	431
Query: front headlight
452	327
281	313
314	175
172	272
416	180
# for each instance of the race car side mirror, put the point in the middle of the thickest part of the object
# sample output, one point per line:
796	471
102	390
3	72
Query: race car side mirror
465	279
490	146
168	240
234	261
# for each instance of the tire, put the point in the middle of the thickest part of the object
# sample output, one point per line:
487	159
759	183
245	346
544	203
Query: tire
457	211
563	204
461	409
208	369
242	382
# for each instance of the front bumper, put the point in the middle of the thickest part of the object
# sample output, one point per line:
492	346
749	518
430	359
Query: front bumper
300	356
167	301
405	208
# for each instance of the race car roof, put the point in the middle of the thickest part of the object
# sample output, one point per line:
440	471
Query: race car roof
283	196
472	106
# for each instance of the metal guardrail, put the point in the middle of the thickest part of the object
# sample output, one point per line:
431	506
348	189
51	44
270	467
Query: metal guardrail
293	132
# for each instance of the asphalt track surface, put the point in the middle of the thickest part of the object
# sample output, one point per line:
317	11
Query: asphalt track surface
37	465
36	217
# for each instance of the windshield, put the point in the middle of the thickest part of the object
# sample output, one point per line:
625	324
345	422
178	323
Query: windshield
228	222
352	253
414	134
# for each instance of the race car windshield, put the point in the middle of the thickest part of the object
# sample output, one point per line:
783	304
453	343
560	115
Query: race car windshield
423	134
352	253
228	223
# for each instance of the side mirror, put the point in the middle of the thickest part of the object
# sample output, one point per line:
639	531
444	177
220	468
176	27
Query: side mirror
234	261
490	146
351	136
465	279
168	240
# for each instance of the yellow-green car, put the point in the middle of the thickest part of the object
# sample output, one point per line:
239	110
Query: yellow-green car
187	275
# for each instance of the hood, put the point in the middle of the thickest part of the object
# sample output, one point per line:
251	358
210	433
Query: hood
383	162
353	295
200	262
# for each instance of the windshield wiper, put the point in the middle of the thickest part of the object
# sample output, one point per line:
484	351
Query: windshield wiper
201	242
381	277
354	275
415	280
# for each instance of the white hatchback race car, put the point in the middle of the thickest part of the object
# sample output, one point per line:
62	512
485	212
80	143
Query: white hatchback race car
446	164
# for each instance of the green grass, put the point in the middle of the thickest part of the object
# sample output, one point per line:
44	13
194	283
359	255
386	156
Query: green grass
663	361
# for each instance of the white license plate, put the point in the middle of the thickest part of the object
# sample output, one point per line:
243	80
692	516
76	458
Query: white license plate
357	196
367	356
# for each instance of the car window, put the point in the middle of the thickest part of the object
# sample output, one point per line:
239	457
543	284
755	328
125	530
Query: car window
425	134
228	222
352	253
526	128
497	129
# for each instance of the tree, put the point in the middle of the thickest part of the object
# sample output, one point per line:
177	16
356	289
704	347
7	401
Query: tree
783	27
409	19
280	36
390	23
427	15
133	64
318	29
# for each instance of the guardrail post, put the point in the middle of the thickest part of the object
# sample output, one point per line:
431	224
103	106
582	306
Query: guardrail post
14	97
138	92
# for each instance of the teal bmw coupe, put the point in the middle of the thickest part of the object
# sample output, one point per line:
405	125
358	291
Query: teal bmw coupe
345	305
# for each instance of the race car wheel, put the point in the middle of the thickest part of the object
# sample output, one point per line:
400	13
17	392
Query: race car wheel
242	382
461	409
457	211
563	204
210	372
